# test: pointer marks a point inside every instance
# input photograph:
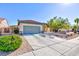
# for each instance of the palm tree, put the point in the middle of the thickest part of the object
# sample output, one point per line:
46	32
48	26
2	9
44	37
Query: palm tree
77	22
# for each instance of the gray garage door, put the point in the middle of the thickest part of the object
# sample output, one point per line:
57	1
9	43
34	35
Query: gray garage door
31	29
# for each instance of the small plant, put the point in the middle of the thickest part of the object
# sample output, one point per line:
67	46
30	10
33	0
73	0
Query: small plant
12	38
10	43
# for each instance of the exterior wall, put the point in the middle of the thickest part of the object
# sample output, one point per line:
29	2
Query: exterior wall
3	33
4	24
46	28
22	24
13	27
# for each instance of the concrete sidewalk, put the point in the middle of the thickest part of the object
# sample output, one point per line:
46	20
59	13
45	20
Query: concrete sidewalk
46	46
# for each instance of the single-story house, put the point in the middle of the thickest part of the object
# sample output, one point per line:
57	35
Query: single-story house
4	27
30	27
13	27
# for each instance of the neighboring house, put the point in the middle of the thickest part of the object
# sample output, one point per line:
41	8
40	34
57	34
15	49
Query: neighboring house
13	27
4	27
30	27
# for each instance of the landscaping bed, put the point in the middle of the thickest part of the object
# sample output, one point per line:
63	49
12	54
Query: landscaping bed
14	45
10	43
24	48
73	36
62	35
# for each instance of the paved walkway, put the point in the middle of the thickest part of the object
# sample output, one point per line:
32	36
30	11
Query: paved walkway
52	46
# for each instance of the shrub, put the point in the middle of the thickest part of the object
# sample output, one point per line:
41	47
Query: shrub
10	43
16	31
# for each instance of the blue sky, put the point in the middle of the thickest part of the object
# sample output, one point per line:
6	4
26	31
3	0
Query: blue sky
40	12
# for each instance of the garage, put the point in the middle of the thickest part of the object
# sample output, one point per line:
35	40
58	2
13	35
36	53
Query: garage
31	29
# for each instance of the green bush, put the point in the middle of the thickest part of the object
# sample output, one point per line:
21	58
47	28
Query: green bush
16	31
10	43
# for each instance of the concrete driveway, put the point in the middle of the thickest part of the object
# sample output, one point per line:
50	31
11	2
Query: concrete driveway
52	46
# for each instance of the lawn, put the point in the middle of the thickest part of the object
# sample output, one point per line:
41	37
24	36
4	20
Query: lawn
10	43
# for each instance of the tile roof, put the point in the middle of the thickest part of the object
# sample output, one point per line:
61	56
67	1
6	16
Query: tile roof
1	19
29	21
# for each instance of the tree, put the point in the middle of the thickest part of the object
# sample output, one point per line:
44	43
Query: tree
66	24
77	22
54	23
58	23
74	28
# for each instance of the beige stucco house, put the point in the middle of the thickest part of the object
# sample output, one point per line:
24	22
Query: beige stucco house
4	27
32	27
29	27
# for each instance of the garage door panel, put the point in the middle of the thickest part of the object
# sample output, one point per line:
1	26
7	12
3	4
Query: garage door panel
31	29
